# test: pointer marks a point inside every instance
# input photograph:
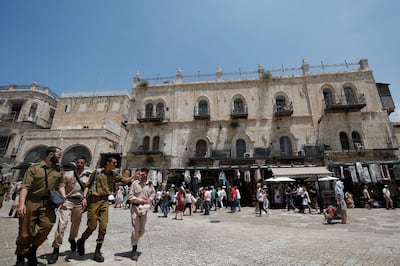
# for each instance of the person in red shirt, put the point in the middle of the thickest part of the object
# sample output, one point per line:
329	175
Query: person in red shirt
232	198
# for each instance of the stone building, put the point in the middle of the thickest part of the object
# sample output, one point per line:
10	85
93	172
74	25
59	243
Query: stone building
334	119
84	124
22	108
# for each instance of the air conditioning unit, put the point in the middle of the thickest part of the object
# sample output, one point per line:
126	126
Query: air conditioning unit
248	155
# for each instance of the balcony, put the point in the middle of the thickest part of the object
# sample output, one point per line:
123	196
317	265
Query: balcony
283	110
157	118
240	113
201	115
340	104
146	151
9	116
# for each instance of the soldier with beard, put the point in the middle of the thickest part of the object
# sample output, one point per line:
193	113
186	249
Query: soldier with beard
36	215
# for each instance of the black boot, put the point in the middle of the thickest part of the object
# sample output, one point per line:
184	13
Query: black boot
73	244
135	254
32	259
10	212
20	260
80	244
54	256
97	254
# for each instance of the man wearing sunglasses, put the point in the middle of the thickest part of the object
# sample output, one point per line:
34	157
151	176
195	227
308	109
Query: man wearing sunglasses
101	183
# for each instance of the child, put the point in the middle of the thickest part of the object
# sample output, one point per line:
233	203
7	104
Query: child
330	213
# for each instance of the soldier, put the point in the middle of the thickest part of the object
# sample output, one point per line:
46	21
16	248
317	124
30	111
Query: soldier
141	195
4	187
102	183
75	179
36	214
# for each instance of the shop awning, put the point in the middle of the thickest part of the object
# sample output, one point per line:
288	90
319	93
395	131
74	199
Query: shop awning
300	172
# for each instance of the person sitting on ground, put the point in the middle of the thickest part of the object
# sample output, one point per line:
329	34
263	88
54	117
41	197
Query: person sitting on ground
330	213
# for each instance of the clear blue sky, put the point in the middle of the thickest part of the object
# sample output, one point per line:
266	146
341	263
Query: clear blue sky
98	45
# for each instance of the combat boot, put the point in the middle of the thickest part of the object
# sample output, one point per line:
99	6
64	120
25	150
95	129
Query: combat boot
32	259
72	242
135	254
80	244
97	254
20	260
53	257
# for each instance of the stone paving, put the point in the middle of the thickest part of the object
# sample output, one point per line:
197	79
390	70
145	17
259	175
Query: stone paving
223	238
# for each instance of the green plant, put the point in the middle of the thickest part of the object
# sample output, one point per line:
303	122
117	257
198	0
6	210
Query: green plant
143	83
266	75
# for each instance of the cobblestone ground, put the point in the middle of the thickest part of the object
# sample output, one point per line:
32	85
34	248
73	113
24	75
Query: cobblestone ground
281	238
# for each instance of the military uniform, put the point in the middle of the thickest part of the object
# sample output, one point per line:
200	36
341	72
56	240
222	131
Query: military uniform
97	209
38	221
4	187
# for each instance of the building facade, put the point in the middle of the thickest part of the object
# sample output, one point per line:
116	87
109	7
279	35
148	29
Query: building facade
333	119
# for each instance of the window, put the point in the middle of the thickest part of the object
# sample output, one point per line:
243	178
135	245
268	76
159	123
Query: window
146	143
32	112
357	143
203	108
240	148
15	110
156	143
51	117
149	110
201	149
285	145
344	141
3	144
238	106
349	94
280	102
160	110
328	97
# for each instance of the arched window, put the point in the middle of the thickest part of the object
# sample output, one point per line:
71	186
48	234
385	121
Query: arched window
238	106
285	145
280	102
357	142
149	110
146	143
160	110
349	94
344	141
240	148
328	97
156	143
32	111
203	107
201	149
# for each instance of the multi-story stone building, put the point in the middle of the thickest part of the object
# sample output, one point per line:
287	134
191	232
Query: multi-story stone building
217	129
22	108
333	119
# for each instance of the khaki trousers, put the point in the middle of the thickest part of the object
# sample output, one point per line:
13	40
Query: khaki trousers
35	226
97	211
138	220
70	210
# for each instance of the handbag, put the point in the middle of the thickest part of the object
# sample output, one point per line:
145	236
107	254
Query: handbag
55	197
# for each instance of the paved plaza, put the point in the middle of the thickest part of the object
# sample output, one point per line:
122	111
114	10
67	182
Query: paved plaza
222	238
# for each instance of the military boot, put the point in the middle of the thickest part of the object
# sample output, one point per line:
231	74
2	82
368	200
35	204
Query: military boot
80	244
97	254
32	259
135	254
72	242
53	257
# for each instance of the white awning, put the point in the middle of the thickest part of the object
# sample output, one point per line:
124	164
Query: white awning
300	172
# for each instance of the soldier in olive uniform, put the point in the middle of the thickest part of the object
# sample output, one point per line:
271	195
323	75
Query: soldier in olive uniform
4	187
36	215
101	183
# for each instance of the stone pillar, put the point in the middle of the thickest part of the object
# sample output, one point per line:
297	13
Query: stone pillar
219	73
260	70
305	67
178	78
364	64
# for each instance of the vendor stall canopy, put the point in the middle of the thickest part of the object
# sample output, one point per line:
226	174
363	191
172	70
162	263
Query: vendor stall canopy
300	172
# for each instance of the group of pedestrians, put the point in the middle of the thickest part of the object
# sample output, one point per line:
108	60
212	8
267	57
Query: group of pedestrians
82	192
